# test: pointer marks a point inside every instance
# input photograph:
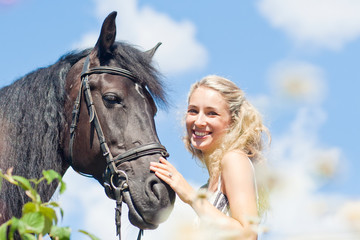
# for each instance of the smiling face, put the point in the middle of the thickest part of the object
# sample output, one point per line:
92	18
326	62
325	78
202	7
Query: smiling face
207	119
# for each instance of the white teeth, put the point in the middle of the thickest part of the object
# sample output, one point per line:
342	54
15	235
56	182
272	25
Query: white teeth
201	134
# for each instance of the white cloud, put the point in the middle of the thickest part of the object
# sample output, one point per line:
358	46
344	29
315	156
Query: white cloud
300	164
86	207
322	23
182	217
298	82
145	27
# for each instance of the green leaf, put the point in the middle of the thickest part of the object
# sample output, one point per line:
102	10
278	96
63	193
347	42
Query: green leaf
62	187
56	205
34	222
16	225
28	236
23	183
3	230
47	226
91	236
63	233
53	204
49	213
62	213
51	175
29	207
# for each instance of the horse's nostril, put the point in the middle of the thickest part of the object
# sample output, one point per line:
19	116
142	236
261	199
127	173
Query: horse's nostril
154	187
156	190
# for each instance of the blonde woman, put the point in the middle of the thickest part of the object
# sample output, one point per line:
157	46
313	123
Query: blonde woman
224	131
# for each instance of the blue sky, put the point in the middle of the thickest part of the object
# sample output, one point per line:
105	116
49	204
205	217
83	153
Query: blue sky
298	62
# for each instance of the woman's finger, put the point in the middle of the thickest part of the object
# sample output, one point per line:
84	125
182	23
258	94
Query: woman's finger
159	166
164	161
164	164
166	172
165	177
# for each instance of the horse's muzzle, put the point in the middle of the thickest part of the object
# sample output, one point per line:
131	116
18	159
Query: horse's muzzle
152	205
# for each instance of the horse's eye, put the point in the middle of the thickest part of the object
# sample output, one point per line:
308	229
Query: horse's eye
111	99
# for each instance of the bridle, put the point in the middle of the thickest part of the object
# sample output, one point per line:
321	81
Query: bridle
115	180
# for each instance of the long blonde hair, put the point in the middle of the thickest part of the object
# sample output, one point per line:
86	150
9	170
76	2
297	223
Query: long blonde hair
245	132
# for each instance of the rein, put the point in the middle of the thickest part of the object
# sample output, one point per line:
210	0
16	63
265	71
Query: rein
115	180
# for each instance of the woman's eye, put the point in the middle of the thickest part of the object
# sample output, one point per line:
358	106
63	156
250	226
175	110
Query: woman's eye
192	111
213	113
110	100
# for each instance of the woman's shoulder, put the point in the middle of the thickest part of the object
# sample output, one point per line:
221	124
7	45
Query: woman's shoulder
236	162
235	157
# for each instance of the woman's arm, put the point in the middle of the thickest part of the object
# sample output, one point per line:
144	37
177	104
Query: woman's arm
238	185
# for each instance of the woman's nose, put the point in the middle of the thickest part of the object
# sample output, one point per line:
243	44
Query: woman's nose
200	120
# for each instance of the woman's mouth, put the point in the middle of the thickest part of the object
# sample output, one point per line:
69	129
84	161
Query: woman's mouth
201	134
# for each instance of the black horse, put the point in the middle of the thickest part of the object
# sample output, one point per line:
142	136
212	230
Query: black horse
94	111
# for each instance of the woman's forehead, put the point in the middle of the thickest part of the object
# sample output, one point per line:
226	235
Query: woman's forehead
207	97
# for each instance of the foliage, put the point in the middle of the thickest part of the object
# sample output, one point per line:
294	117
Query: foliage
38	219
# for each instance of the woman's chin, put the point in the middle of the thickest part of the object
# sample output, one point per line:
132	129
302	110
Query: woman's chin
200	145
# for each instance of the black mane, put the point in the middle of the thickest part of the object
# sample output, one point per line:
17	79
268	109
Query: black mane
32	118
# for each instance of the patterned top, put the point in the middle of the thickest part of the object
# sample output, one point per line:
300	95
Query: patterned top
220	201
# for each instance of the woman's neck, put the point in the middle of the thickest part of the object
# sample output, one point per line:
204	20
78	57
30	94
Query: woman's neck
213	184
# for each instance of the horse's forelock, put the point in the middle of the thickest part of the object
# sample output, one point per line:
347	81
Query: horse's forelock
139	64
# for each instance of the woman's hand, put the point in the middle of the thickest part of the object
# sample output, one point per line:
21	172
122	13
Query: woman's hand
168	173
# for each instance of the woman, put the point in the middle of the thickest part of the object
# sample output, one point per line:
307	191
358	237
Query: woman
224	131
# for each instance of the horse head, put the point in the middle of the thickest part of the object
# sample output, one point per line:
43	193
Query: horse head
110	114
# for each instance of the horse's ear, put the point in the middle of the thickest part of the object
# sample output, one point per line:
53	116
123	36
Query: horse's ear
150	53
107	34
